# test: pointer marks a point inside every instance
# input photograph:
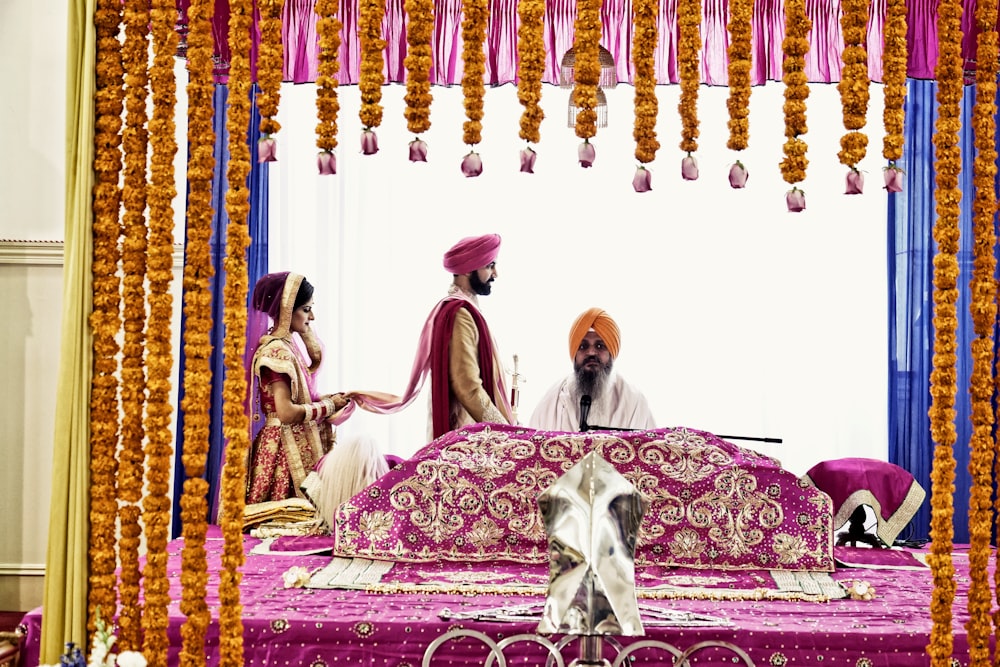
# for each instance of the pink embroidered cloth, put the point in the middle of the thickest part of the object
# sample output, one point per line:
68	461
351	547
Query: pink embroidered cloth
470	496
302	627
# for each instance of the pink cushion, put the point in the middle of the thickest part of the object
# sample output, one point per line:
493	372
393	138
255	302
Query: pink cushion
889	490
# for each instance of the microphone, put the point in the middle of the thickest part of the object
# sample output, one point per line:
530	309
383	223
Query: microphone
584	411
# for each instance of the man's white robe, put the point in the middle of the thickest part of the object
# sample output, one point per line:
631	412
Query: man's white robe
620	406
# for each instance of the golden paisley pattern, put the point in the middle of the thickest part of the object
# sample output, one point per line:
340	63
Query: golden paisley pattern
471	496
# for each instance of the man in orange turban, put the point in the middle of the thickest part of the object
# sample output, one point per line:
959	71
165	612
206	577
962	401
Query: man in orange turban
593	396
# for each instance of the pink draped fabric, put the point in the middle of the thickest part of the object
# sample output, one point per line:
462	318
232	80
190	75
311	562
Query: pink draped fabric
823	62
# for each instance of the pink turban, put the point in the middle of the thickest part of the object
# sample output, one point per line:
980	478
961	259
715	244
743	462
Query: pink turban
602	324
471	253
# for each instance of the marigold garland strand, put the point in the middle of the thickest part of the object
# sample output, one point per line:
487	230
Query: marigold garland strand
854	81
105	320
198	272
371	13
159	351
894	61
688	56
475	16
983	308
327	105
588	68
644	40
947	165
270	60
795	47
419	30
235	419
130	471
531	67
738	103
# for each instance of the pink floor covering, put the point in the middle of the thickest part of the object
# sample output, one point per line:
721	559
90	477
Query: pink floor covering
327	628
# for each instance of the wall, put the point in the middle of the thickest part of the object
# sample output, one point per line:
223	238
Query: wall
32	67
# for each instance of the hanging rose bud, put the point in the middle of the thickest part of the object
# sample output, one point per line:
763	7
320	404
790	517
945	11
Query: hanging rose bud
893	176
418	150
327	163
586	153
472	165
267	149
643	179
689	168
855	183
796	200
738	175
369	142
528	160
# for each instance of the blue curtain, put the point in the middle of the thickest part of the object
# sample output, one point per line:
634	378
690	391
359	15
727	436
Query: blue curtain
256	265
911	310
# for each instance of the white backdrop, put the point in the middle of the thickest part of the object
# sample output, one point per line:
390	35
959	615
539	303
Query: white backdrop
737	317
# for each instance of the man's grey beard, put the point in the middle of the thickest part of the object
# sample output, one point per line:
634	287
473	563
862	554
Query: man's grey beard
591	382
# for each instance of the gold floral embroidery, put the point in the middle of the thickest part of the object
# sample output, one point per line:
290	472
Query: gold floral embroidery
790	548
685	462
687	544
485	533
376	524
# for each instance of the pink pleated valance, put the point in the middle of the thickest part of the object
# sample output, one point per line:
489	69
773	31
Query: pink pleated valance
823	62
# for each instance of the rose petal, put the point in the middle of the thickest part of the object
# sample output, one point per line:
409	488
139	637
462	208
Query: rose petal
855	183
586	153
327	163
738	175
795	199
472	165
369	142
267	149
418	151
893	179
689	168
528	160
643	180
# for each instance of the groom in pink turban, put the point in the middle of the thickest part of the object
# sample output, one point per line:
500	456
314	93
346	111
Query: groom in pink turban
467	380
456	349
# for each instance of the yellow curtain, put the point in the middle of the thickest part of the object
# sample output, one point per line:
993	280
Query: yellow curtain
65	600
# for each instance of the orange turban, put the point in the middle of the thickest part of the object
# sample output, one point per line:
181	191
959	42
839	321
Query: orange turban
602	324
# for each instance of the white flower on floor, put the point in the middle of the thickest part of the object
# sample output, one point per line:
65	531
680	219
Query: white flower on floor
861	590
296	577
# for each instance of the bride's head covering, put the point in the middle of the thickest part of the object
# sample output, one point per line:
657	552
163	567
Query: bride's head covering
275	297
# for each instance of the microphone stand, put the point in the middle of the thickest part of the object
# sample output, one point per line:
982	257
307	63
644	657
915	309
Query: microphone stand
584	412
747	437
